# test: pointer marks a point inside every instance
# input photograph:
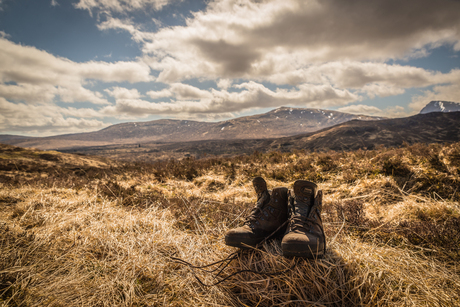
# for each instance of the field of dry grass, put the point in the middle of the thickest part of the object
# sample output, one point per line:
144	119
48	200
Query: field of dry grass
87	231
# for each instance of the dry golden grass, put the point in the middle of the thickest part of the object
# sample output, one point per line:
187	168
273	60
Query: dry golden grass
81	231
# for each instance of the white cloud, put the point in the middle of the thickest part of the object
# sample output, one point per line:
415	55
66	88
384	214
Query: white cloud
125	25
185	91
191	100
381	90
224	83
2	33
357	74
181	92
159	94
32	80
441	92
246	39
129	71
359	109
46	119
30	65
123	93
396	111
28	92
329	53
32	75
120	6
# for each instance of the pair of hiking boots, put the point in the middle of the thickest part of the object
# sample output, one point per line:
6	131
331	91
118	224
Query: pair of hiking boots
296	218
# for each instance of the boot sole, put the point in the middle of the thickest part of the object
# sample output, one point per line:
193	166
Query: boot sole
249	243
239	243
306	253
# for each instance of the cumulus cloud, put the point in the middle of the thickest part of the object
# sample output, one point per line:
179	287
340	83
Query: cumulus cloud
328	53
191	100
180	91
442	92
224	83
249	39
359	109
121	6
28	92
381	90
185	91
2	33
31	80
46	119
357	74
33	75
123	93
127	25
159	94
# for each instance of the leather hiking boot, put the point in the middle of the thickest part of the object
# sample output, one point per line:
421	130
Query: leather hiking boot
305	235
268	216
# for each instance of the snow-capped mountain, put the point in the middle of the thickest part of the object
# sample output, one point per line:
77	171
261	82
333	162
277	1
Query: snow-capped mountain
441	106
283	121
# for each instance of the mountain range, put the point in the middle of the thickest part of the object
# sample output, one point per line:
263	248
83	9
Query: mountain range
434	127
277	123
281	129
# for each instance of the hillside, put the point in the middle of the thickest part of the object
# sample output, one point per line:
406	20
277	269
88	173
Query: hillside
276	123
86	231
32	164
352	135
421	128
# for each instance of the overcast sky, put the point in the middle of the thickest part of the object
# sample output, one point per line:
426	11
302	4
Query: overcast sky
80	65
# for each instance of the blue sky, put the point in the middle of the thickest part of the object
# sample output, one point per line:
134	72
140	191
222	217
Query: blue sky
81	65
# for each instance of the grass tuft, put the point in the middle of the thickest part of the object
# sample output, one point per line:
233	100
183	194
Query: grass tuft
80	230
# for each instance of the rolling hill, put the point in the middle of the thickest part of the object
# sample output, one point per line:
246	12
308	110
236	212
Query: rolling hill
276	123
352	135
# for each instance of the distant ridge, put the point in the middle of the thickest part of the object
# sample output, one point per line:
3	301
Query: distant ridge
280	122
441	106
353	135
356	134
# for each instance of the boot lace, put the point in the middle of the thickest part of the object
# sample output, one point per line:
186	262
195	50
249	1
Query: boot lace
305	222
256	211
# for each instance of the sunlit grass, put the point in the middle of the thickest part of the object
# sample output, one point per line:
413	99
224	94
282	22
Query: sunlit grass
84	231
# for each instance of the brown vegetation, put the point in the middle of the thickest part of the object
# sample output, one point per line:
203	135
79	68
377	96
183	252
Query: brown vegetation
80	230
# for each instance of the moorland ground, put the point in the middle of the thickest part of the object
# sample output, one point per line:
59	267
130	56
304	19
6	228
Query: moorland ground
87	231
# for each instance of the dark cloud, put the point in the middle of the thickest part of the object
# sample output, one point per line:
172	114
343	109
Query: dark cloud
233	58
356	28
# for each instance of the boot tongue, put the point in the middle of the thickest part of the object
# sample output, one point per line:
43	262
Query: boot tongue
304	196
262	198
260	186
303	204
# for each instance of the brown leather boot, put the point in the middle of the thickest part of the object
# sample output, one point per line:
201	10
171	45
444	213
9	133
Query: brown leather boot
305	235
268	215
